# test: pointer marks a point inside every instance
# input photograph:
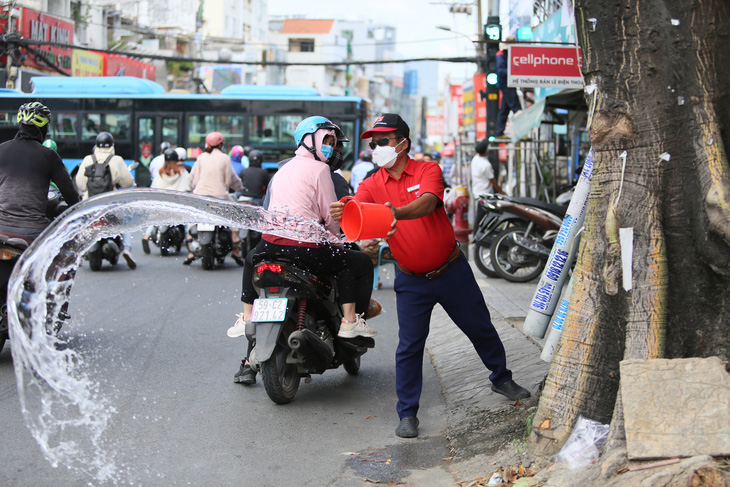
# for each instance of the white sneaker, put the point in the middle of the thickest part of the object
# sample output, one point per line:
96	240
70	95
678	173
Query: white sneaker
130	260
239	329
357	328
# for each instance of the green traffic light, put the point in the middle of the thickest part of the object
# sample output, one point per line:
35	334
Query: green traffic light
492	138
492	78
493	32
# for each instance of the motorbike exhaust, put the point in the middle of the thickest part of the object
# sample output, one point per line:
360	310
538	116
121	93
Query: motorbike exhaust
312	347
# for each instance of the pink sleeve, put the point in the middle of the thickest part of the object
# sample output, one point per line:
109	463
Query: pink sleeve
325	193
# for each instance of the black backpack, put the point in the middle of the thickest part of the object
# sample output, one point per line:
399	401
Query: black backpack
99	177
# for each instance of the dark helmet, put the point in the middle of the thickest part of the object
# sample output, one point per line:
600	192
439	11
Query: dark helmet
366	156
171	155
34	113
247	150
255	158
436	155
104	139
341	137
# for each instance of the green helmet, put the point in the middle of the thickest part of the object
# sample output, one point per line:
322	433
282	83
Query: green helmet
34	113
51	144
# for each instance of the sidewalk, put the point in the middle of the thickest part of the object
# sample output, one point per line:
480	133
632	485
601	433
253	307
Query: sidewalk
464	379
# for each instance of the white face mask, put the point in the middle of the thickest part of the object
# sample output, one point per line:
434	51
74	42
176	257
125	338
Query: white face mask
386	156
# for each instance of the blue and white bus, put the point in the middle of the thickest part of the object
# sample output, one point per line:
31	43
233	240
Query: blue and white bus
140	116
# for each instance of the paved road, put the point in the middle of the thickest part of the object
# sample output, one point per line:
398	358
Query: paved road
155	340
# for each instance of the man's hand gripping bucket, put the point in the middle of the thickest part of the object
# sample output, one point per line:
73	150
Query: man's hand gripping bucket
361	221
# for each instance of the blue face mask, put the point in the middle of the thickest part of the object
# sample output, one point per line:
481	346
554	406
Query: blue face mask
327	151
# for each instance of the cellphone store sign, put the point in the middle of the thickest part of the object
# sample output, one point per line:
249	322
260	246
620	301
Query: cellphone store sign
544	67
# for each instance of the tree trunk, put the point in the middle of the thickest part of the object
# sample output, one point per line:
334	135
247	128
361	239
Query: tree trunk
661	70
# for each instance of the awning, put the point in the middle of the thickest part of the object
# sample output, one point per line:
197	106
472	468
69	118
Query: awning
527	120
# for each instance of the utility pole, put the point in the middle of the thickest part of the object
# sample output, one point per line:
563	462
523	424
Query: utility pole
12	49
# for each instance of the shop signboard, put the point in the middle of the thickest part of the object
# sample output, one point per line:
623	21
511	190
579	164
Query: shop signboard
87	63
544	66
40	27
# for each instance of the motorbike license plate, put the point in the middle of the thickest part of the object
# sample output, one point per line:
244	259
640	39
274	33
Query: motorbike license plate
205	227
269	309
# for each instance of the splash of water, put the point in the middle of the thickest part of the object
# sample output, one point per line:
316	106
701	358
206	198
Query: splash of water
61	403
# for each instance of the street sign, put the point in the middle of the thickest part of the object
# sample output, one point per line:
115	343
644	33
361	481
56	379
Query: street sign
544	66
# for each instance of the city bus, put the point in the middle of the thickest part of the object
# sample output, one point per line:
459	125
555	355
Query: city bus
141	115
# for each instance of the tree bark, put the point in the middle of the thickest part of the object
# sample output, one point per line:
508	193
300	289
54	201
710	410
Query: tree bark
661	69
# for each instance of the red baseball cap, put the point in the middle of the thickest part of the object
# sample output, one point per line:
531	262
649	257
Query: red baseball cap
388	122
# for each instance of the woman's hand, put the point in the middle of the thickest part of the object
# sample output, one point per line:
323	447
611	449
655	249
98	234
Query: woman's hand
336	209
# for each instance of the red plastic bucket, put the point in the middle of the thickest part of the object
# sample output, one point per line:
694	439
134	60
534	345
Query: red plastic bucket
365	220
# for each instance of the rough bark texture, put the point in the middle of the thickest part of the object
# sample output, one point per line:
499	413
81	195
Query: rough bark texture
662	74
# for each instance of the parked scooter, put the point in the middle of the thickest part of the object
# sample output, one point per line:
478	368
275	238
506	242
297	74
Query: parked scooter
295	322
11	247
523	234
169	238
210	244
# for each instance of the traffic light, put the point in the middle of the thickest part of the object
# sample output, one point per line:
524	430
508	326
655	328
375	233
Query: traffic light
492	36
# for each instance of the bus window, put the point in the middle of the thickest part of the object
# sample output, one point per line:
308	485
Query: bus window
9	118
63	126
272	129
116	124
170	130
230	126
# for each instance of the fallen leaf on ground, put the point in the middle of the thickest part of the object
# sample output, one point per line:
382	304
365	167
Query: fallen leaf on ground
544	424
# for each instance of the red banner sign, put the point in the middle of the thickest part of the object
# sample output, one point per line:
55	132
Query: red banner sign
544	67
38	26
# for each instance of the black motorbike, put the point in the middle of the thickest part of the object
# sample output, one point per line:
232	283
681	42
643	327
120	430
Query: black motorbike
294	324
11	247
106	248
210	244
505	225
169	238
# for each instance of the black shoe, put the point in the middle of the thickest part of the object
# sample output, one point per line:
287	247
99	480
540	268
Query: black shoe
238	259
511	390
245	375
146	245
188	260
408	427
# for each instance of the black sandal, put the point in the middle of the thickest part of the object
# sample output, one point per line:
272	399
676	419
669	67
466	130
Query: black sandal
189	260
238	259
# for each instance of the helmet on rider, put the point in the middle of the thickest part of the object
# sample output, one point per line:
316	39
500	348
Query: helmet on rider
236	152
214	139
182	153
255	158
51	144
309	126
436	155
34	113
172	155
247	150
337	160
164	146
104	139
366	156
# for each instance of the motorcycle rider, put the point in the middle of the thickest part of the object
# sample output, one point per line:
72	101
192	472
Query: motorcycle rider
483	180
101	158
26	170
304	186
159	160
172	175
254	178
213	175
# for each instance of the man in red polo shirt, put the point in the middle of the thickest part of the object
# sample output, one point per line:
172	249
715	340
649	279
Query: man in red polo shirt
431	268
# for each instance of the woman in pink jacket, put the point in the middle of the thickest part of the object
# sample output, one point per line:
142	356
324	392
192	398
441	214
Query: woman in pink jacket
213	175
304	187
